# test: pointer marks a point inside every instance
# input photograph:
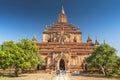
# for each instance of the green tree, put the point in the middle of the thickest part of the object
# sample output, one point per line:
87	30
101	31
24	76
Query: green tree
11	56
103	57
32	56
5	60
116	69
22	55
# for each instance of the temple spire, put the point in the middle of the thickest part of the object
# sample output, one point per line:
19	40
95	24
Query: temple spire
96	42
89	40
34	38
62	11
62	16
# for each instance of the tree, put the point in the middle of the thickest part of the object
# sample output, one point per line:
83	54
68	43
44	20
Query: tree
116	69
103	57
5	60
22	55
33	57
11	56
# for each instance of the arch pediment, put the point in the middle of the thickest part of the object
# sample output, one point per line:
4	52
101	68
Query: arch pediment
61	56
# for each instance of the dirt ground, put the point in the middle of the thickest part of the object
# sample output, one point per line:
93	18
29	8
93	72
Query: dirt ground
91	78
47	76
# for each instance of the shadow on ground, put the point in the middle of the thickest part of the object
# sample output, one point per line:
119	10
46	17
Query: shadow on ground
11	75
94	75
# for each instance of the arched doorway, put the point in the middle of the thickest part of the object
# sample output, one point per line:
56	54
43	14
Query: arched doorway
62	64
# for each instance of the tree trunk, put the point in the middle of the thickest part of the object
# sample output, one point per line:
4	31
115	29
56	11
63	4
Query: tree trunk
16	72
104	71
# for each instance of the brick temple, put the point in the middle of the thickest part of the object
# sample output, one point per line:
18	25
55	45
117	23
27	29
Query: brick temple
62	45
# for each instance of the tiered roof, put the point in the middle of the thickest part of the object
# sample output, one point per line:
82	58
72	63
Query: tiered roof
61	25
74	48
56	28
70	47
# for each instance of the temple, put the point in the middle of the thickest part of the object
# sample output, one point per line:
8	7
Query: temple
62	45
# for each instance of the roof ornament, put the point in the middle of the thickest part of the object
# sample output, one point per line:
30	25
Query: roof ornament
62	16
34	38
96	41
89	40
62	11
78	28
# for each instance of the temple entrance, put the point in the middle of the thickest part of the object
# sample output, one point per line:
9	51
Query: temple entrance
62	65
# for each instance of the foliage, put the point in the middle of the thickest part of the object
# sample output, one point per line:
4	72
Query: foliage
116	70
103	57
10	55
5	60
32	57
22	55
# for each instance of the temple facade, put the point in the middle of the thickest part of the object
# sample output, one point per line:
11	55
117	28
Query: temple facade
62	45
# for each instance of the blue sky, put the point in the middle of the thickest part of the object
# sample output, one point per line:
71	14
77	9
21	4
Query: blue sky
24	18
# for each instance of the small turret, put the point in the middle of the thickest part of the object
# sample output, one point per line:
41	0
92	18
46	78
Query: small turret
34	38
96	42
89	40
